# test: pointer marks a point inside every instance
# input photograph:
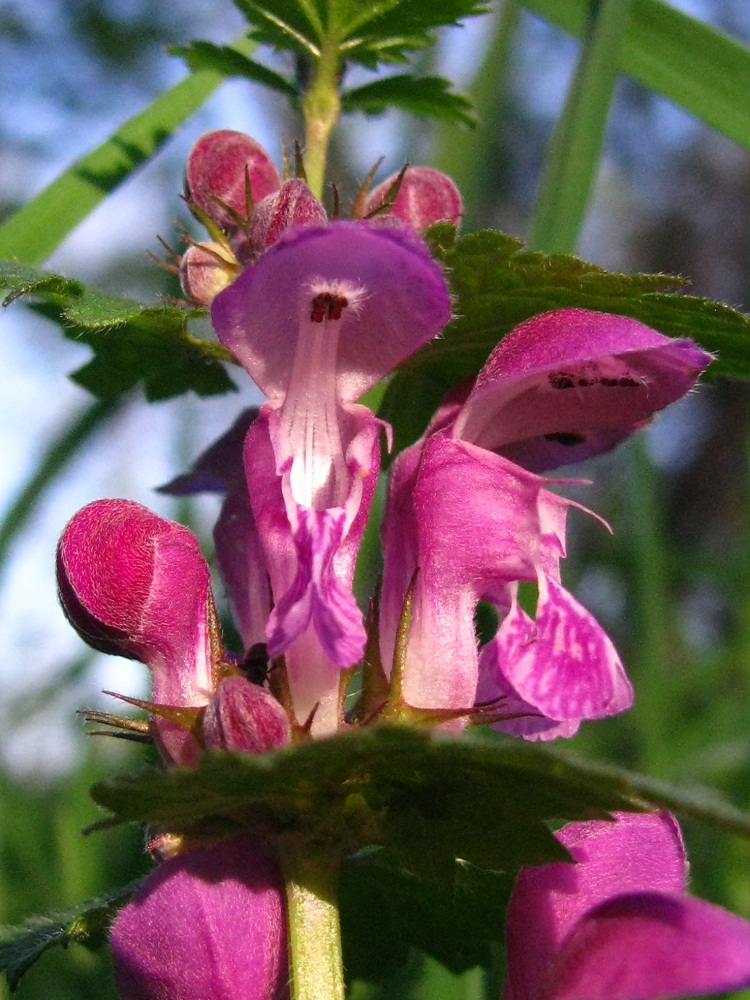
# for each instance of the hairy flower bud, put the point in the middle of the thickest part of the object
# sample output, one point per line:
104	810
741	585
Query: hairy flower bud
205	270
425	196
244	716
218	167
207	924
293	204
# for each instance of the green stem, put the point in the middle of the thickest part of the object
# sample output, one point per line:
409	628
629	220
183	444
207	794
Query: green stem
315	964
321	108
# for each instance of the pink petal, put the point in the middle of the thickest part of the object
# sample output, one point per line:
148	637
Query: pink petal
564	665
317	595
572	383
651	945
522	720
397	294
311	556
640	852
239	553
208	924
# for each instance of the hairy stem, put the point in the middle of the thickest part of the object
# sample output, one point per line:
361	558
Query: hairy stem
322	108
315	964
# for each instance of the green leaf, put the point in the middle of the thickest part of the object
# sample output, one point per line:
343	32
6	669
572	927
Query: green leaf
457	921
229	62
32	234
675	55
88	923
429	799
132	343
382	31
426	96
497	284
387	30
286	25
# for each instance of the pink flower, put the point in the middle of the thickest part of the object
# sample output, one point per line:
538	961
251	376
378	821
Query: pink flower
135	584
322	316
239	553
467	509
618	925
208	924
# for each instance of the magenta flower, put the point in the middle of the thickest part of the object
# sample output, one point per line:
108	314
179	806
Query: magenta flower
208	924
239	552
137	585
468	510
618	925
322	316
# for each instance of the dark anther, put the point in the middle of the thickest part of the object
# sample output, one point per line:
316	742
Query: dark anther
325	304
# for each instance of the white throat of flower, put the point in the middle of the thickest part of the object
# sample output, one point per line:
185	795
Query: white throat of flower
311	412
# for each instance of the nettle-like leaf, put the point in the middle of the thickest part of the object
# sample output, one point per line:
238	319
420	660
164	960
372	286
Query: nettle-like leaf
497	284
369	34
427	96
133	344
87	923
428	799
229	62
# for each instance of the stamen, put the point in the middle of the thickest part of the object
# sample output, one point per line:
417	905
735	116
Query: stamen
327	306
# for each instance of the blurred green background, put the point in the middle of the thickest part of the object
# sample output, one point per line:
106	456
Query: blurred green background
672	585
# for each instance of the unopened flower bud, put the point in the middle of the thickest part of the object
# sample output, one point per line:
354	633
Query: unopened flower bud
206	924
424	197
205	270
219	167
293	204
244	716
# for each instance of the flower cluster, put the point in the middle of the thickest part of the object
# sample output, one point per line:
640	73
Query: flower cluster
319	311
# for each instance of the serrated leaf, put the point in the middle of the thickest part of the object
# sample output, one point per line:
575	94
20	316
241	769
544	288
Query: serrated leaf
387	30
382	31
229	62
426	96
286	25
497	284
87	923
428	798
133	344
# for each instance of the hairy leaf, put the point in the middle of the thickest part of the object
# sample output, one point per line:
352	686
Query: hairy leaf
426	96
133	344
229	62
87	923
381	31
429	798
